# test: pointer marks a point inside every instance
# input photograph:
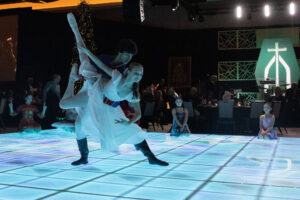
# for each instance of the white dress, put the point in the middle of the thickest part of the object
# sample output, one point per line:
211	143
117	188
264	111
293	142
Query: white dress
98	120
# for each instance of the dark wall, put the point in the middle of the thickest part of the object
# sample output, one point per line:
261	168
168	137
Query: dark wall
157	45
45	44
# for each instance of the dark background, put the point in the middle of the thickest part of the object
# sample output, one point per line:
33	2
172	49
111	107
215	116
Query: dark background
46	42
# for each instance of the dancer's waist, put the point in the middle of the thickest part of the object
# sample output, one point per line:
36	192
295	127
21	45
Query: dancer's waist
110	102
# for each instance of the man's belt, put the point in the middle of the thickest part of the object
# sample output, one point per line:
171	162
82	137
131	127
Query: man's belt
111	103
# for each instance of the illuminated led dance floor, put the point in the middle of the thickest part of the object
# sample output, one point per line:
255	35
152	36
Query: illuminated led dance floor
37	166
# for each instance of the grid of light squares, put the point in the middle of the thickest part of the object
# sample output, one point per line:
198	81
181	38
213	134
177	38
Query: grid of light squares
202	166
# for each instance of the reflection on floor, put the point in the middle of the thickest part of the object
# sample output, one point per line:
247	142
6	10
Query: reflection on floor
37	166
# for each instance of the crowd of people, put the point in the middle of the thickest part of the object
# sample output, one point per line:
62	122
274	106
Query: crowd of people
36	107
33	107
165	101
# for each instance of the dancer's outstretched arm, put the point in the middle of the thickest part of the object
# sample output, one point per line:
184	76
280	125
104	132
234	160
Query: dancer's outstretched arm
69	100
137	111
97	61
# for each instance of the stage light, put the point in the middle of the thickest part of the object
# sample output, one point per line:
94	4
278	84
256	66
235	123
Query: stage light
292	8
175	6
239	12
267	10
133	10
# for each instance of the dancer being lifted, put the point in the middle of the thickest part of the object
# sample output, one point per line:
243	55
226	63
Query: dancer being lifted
98	102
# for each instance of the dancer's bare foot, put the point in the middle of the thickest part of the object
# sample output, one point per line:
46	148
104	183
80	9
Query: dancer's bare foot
72	21
74	27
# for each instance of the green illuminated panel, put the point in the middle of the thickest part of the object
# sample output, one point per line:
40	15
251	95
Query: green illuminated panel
277	61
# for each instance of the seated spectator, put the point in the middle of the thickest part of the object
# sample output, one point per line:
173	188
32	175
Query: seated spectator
171	96
195	98
159	106
38	97
227	96
180	118
30	88
266	124
278	95
27	123
213	88
292	105
161	85
148	94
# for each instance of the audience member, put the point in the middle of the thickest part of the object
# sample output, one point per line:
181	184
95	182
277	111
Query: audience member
227	96
266	124
159	107
27	123
161	85
51	98
213	88
171	96
180	118
278	95
292	105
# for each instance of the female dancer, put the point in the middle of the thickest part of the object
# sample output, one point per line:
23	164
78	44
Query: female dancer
102	115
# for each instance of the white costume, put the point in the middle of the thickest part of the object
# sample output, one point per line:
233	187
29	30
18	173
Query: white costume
98	120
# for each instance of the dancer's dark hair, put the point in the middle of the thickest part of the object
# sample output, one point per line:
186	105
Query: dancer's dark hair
127	46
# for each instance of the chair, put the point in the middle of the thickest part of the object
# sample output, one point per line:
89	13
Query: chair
149	112
257	108
276	109
193	125
2	106
189	106
225	115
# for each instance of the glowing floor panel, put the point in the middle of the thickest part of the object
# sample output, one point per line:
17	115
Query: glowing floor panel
202	166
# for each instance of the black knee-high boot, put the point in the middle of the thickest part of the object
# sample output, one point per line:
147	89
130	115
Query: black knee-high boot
144	148
84	152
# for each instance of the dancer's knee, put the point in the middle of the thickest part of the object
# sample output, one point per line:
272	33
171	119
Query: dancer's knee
63	104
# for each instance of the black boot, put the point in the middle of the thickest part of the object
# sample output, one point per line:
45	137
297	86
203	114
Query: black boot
144	148
84	152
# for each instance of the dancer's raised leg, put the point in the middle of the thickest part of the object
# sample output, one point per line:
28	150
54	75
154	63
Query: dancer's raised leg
69	100
79	40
